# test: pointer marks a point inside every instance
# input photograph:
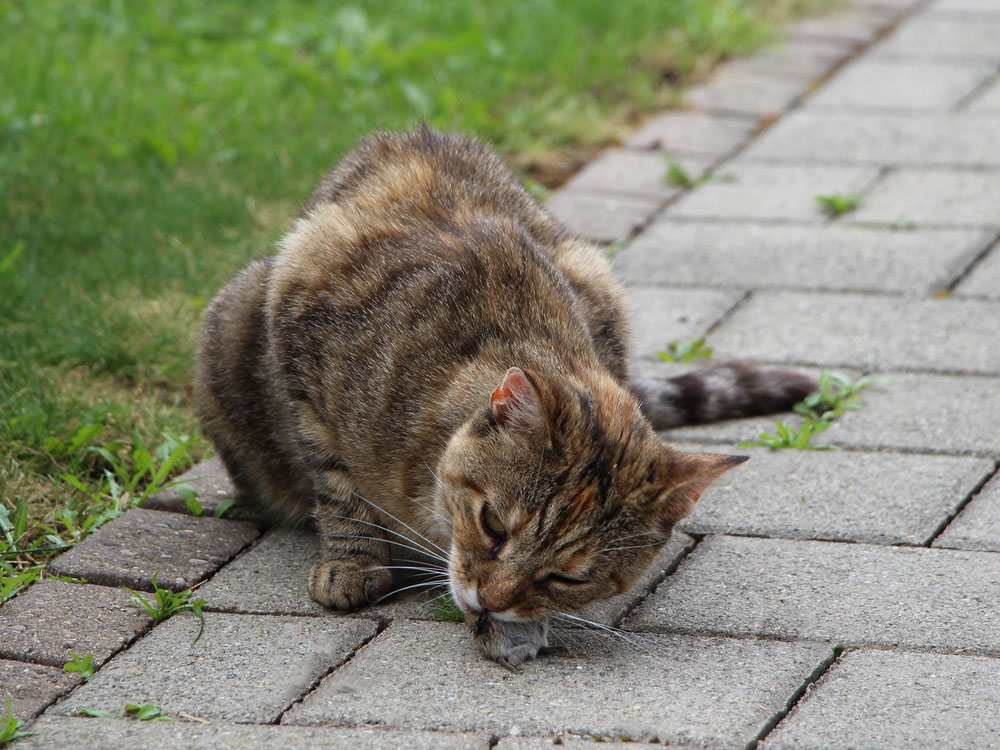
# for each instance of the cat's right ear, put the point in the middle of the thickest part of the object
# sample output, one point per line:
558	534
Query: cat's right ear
517	407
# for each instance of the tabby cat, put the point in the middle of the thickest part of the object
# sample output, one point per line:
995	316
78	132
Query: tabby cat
431	361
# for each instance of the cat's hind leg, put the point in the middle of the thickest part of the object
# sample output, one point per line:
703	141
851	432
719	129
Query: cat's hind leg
352	571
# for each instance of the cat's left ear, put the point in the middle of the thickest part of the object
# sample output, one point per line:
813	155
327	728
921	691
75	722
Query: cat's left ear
517	407
688	475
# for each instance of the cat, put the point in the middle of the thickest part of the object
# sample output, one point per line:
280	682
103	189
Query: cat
430	361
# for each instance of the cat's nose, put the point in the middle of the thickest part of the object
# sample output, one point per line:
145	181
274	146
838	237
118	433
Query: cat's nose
487	604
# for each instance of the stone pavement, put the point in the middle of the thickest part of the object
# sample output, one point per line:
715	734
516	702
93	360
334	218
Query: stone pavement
813	600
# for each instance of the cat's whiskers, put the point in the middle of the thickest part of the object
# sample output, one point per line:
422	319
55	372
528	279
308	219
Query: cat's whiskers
421	549
629	638
402	523
428	571
422	584
633	546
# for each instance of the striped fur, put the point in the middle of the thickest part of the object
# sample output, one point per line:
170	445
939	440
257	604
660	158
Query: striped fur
431	361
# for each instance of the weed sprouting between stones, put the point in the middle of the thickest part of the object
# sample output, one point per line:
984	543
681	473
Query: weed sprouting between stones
167	603
837	204
81	665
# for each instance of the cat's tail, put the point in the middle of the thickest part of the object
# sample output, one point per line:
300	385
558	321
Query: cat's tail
724	391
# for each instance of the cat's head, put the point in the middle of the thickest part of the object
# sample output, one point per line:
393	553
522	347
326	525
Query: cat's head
559	495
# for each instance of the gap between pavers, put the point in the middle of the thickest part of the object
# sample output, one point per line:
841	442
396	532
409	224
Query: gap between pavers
897	701
115	734
847	594
181	550
244	668
712	692
977	527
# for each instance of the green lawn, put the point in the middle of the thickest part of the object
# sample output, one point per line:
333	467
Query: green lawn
148	150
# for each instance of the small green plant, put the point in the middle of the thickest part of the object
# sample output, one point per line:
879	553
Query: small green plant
677	175
686	350
82	667
169	603
837	204
139	712
10	727
144	712
836	394
789	437
445	609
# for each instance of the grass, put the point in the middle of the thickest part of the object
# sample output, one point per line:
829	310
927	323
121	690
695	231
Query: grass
837	394
148	150
167	603
837	204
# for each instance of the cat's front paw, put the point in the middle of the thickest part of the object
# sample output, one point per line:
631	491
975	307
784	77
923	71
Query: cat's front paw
511	644
345	584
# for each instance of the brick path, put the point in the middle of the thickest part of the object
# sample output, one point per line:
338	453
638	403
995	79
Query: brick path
815	600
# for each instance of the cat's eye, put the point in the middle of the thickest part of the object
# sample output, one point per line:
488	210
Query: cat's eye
493	525
563	579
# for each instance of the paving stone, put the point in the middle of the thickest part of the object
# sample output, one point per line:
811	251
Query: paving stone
693	134
984	280
806	58
601	217
31	687
859	330
900	84
271	578
881	498
848	594
866	138
181	550
978	525
988	101
858	24
964	7
639	174
762	191
661	315
936	37
639	694
735	90
898	701
832	256
961	197
114	734
244	668
52	618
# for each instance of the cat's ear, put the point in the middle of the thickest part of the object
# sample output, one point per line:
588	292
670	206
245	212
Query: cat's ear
517	407
688	475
